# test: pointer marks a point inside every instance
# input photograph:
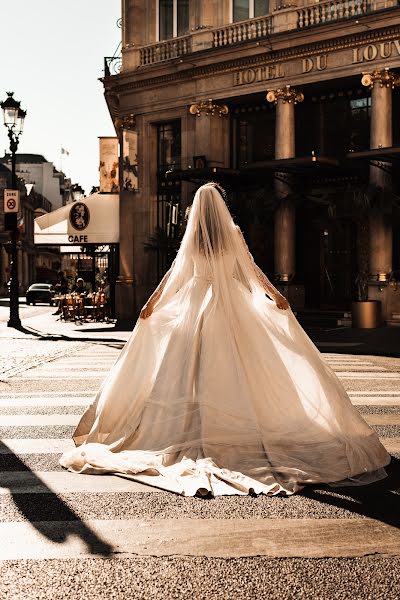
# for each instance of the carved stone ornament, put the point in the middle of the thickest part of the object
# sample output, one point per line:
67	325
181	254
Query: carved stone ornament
208	107
286	94
384	78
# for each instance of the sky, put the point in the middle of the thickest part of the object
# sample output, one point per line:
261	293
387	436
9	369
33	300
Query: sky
52	55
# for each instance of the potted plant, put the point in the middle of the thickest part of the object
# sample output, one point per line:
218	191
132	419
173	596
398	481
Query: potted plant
366	314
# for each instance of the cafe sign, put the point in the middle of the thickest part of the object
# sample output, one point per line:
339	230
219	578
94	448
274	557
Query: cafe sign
335	59
92	221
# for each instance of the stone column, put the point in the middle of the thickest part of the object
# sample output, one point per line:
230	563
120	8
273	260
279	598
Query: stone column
381	84
125	291
285	99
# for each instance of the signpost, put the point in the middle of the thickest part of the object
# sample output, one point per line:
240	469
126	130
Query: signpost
11	201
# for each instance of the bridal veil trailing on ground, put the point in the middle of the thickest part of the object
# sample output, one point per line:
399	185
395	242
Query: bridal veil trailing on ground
221	391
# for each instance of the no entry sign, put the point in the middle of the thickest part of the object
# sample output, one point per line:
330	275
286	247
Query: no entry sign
11	201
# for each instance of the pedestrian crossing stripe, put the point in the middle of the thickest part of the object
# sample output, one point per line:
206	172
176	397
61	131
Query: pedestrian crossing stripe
315	538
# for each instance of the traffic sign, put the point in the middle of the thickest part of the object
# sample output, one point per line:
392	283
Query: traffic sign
11	201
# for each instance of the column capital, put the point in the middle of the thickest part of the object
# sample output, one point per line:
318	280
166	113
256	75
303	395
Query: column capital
383	77
208	107
286	94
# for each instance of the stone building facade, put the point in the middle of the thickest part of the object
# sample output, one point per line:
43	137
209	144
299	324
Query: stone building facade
295	109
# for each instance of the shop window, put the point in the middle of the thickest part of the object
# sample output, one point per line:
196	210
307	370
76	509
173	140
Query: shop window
248	9
173	18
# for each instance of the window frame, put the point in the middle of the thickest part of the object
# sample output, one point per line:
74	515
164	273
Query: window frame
251	11
174	20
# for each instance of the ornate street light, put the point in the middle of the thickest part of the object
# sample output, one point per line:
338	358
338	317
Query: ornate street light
77	192
14	118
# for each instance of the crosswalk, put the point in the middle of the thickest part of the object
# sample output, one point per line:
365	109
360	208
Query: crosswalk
48	513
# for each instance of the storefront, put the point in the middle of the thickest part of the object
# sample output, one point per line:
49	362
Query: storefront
87	233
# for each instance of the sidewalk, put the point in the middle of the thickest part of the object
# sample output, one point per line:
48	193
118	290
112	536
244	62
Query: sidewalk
382	341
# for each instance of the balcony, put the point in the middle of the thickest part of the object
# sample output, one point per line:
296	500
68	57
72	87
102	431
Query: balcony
284	19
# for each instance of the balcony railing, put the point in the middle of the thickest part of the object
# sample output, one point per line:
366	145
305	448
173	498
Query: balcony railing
165	50
242	31
233	34
324	12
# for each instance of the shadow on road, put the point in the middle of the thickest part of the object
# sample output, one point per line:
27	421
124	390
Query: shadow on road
380	500
45	507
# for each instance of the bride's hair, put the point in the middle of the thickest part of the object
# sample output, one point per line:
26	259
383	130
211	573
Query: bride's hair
208	227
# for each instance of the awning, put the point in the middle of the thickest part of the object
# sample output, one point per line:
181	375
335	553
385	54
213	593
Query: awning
303	164
230	179
93	220
390	155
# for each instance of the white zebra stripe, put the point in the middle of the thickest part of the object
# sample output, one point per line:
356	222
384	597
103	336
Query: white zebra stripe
200	537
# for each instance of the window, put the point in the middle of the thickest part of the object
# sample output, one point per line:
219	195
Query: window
360	115
248	9
173	18
255	137
168	194
169	146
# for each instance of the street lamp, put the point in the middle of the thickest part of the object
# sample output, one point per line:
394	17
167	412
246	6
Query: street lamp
77	192
14	118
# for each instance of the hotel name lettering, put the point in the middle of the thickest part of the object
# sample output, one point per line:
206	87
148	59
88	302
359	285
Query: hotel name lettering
320	62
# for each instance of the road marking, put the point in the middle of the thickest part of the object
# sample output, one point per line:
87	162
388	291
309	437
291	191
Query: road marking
44	402
59	445
33	374
35	446
225	538
374	392
356	375
358	368
73	420
40	394
63	482
375	400
385	419
38	420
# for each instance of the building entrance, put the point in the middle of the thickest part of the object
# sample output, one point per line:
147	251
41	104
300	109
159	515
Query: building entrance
329	263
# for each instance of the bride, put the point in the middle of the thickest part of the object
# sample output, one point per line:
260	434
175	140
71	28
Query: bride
219	389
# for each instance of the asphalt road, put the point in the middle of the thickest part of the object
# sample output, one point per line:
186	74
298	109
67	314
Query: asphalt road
75	536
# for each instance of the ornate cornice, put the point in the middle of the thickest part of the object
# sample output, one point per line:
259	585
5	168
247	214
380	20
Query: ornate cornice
383	77
285	94
271	57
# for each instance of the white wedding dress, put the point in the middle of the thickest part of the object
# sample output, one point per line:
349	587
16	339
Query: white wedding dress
224	394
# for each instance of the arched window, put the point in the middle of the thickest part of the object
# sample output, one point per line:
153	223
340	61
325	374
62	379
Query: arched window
248	9
173	18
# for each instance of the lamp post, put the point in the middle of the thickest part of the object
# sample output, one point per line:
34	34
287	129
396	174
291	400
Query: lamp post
77	192
14	121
